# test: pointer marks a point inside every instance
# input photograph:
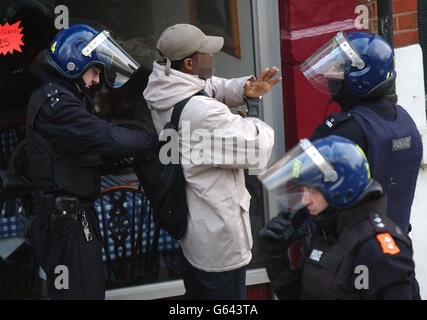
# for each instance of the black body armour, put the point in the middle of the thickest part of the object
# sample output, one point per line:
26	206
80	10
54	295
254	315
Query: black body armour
53	171
328	269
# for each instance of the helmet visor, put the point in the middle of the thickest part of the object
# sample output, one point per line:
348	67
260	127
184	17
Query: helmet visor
118	65
304	165
331	62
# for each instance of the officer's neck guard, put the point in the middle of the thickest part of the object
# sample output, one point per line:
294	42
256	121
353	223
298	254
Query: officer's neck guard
373	190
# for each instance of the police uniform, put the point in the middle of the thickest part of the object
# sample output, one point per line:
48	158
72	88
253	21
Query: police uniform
392	144
366	257
66	146
356	253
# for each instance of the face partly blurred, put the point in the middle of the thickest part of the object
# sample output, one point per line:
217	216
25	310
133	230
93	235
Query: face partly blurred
203	64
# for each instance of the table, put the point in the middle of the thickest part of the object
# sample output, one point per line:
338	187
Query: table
14	226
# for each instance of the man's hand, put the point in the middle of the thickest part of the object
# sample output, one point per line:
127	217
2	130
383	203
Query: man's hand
263	84
276	237
271	238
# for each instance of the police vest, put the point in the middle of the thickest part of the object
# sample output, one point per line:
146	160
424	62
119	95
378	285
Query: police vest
328	269
53	171
394	155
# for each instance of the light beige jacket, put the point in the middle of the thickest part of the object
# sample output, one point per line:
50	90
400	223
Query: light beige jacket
219	235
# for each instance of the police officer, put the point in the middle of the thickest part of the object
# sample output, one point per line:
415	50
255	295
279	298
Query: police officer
67	144
358	71
353	250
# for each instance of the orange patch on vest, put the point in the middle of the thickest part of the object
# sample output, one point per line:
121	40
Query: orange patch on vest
387	243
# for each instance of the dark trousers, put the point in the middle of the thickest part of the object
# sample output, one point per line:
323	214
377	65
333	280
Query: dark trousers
202	285
73	266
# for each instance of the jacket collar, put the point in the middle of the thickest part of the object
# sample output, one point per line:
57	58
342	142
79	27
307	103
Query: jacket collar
63	82
351	216
163	92
383	107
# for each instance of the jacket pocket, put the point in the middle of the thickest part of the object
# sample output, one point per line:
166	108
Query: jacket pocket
245	201
244	204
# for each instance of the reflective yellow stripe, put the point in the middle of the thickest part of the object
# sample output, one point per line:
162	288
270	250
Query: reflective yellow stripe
53	47
296	168
366	163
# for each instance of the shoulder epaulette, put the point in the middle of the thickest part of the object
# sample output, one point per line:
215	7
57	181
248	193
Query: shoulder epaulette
335	119
52	94
387	243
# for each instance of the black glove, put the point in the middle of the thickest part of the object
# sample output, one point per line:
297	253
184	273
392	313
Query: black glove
281	231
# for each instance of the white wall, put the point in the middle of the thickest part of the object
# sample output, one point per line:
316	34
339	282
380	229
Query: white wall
410	91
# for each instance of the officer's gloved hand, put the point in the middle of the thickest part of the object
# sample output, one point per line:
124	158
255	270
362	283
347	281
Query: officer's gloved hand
277	236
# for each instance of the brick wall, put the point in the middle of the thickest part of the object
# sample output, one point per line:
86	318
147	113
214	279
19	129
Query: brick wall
405	22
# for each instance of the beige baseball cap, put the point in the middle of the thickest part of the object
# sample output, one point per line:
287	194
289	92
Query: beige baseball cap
181	40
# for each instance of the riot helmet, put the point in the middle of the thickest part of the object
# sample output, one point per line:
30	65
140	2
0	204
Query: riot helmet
74	50
361	63
334	165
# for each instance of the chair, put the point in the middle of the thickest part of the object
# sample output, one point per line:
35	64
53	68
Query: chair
13	156
129	240
18	160
10	135
18	165
22	261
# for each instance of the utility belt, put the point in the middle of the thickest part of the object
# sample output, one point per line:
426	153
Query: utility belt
63	213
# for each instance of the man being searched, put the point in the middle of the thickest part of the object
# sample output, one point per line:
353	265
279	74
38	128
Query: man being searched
353	250
218	241
358	71
67	144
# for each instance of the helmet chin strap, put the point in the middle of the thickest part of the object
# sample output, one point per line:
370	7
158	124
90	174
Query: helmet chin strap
341	95
327	107
89	102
